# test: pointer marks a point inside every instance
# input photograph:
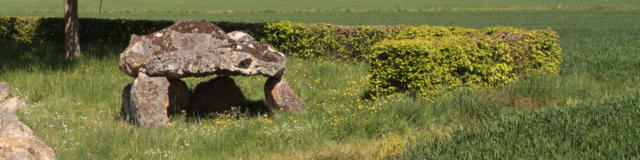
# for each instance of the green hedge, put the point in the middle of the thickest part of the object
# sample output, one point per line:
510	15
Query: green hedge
343	42
39	29
19	29
432	66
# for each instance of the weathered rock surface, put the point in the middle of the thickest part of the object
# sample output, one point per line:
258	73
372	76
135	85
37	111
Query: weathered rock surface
146	101
280	96
216	95
241	37
192	48
8	104
16	139
4	91
179	95
18	142
11	105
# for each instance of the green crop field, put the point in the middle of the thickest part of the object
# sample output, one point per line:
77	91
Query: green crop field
588	111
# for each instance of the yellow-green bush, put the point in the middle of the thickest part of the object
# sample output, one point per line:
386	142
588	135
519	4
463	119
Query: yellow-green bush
322	40
19	29
342	42
433	65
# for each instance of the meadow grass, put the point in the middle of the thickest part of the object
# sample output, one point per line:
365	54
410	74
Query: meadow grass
587	111
599	129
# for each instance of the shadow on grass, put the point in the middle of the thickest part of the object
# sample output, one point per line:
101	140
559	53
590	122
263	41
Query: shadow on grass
249	109
32	56
18	56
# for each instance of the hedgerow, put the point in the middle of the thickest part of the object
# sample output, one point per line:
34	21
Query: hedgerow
342	42
431	66
40	29
19	29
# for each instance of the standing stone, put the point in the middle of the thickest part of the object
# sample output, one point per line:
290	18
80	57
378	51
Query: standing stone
4	91
179	95
148	100
280	96
216	95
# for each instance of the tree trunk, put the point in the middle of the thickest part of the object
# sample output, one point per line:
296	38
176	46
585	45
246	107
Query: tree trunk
71	38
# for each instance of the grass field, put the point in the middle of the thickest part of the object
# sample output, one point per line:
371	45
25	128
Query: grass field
590	110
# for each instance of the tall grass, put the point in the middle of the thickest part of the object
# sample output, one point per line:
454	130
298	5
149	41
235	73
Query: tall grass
600	129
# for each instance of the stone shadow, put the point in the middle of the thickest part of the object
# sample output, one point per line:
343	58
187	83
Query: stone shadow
251	108
221	95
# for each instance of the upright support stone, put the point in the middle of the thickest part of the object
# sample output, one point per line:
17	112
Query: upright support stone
279	95
147	101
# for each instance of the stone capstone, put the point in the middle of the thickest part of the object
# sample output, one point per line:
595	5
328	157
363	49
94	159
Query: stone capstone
146	101
216	95
280	96
192	48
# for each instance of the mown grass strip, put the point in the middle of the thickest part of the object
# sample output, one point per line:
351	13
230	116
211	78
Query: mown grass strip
324	10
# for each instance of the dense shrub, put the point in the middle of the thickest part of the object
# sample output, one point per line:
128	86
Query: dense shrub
322	40
39	29
432	65
19	29
343	42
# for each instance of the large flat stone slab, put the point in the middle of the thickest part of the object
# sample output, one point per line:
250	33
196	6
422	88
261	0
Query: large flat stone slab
193	48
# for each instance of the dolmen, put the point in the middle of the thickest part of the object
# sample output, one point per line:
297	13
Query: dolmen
189	48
